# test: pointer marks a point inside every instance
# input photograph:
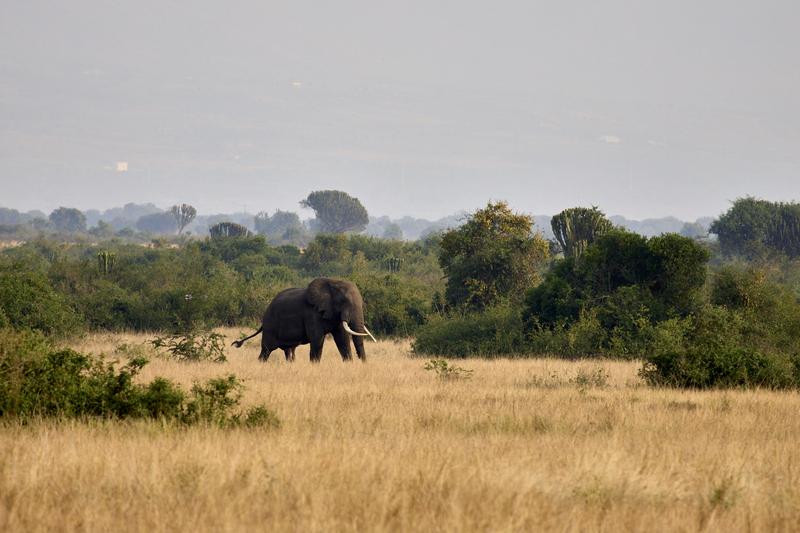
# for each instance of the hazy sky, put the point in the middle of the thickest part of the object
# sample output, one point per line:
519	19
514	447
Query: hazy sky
644	108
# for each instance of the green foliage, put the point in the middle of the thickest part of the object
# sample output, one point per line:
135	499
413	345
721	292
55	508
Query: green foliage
755	229
493	332
394	307
28	300
105	262
725	367
193	346
678	271
207	283
327	252
39	380
620	300
283	227
68	219
337	211
729	347
446	371
494	256
576	228
222	230
585	337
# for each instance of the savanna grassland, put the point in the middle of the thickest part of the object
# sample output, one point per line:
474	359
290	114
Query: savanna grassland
520	445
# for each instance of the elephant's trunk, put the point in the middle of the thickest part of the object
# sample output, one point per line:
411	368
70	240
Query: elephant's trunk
351	332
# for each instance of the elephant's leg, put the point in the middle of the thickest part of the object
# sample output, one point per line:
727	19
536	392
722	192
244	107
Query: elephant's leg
342	340
359	343
316	348
289	353
266	349
264	355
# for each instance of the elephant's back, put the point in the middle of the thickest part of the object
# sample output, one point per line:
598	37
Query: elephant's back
287	299
284	319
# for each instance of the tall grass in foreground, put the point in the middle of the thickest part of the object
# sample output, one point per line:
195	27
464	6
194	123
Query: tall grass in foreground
387	445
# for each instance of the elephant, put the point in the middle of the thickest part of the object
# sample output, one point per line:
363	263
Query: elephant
302	316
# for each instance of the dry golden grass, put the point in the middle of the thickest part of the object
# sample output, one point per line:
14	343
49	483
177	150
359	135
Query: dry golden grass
387	446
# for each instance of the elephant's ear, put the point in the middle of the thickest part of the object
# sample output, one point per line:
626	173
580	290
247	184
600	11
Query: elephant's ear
319	295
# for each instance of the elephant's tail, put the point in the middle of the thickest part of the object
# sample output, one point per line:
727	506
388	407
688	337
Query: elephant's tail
239	343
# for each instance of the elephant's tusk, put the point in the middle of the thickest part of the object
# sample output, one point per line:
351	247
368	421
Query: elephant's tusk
370	334
351	332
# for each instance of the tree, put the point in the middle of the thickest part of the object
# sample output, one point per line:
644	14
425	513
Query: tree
495	255
228	229
337	211
393	232
280	228
102	230
754	228
694	230
578	227
623	273
324	250
68	219
10	216
743	229
184	214
157	223
784	232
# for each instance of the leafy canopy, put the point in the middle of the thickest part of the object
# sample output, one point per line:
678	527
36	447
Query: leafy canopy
337	211
495	255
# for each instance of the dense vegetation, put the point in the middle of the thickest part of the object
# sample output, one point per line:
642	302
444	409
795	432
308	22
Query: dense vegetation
60	288
701	313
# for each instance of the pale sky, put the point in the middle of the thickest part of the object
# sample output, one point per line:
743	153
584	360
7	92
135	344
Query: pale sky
644	108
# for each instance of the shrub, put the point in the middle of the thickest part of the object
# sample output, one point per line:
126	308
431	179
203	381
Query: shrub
447	372
585	337
714	348
393	306
494	256
496	331
28	300
726	366
39	380
193	346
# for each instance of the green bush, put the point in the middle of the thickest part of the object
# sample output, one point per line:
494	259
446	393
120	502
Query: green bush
496	331
393	306
38	380
716	348
726	366
584	337
28	300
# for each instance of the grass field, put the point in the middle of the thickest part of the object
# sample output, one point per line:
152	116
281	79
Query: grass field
522	445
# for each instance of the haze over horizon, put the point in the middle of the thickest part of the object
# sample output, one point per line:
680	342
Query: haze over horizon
644	109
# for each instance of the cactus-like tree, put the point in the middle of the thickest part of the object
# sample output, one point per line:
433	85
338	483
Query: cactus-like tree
576	228
228	229
184	214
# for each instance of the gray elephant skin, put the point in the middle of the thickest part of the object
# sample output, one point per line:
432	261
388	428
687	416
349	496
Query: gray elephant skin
305	316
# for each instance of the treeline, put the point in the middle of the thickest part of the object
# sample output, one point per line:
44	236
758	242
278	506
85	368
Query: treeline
335	212
700	315
142	223
62	289
700	312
